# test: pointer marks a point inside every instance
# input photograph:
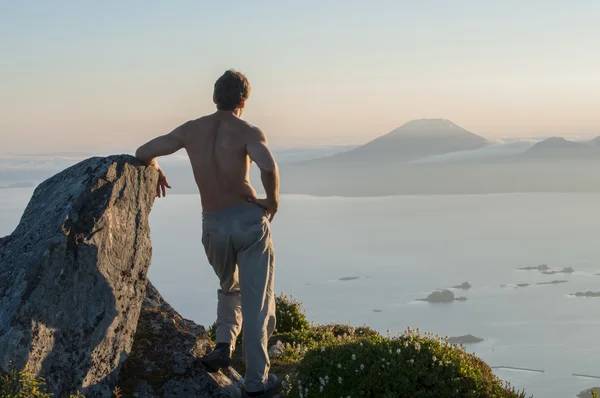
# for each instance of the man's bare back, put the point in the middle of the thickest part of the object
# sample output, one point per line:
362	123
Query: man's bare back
221	148
217	148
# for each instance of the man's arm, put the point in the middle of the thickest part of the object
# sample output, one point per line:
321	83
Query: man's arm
269	172
161	146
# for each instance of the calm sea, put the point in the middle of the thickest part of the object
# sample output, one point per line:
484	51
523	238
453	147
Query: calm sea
400	249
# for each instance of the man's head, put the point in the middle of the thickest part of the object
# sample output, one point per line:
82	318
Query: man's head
231	91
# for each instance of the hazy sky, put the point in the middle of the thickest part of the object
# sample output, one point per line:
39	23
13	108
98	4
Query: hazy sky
80	75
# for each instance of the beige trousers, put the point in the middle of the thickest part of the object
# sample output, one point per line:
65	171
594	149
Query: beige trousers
238	245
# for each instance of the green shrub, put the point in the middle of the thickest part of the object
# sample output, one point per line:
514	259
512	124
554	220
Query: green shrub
290	315
299	342
212	331
408	365
22	384
344	361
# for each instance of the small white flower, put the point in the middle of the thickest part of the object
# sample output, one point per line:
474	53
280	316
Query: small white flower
390	351
362	367
339	365
320	388
340	379
398	351
434	358
353	357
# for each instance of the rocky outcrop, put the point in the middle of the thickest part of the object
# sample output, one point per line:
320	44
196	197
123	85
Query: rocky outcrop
73	275
164	360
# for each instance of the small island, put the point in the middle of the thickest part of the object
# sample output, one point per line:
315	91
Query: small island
554	282
566	270
542	267
587	294
464	285
443	296
349	278
466	339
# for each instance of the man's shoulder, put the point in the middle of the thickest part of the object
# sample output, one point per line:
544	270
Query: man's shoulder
253	131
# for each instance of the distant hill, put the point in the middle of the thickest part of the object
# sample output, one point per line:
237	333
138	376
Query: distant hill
554	143
413	140
596	141
560	149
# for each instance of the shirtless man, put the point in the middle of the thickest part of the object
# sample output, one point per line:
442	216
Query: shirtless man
235	224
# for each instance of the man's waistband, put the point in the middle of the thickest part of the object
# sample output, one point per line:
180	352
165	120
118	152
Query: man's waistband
232	211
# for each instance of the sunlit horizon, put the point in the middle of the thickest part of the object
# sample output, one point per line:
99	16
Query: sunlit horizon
112	75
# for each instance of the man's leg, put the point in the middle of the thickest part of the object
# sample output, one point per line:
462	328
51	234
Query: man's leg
222	257
256	265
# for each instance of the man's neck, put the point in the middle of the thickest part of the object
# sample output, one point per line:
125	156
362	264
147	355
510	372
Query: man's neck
235	113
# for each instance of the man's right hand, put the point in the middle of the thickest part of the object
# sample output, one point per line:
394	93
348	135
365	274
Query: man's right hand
271	206
162	184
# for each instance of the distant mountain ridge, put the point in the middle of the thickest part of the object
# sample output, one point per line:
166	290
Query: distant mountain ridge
436	156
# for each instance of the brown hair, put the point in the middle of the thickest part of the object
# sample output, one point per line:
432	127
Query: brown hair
231	90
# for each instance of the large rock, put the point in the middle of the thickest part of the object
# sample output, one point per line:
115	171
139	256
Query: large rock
164	360
73	274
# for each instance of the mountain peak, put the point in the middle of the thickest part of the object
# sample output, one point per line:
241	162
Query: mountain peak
429	125
415	139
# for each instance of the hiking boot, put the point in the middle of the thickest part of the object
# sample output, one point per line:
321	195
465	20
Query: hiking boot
271	389
218	359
